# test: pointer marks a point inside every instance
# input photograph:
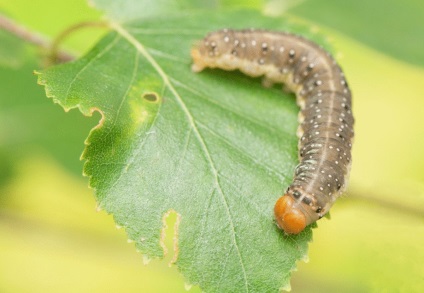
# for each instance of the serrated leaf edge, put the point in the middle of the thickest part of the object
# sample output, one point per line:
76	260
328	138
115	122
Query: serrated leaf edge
140	48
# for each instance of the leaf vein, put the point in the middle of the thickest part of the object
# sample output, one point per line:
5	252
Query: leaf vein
191	121
166	55
242	152
97	56
124	97
271	128
266	216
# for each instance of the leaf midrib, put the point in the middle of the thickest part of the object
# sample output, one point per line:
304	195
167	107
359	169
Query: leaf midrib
140	48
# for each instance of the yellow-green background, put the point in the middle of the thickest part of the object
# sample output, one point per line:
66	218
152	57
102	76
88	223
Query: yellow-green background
53	240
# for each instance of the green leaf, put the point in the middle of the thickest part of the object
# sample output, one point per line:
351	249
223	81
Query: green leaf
136	9
391	26
29	123
215	147
125	10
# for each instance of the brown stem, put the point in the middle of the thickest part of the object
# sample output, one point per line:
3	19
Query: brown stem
54	54
21	32
386	203
30	37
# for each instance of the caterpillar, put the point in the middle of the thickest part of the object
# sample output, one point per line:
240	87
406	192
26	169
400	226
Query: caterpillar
325	118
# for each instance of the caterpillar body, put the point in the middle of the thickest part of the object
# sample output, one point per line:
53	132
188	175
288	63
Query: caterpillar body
325	119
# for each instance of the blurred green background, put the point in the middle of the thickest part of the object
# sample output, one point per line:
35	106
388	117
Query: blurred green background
51	238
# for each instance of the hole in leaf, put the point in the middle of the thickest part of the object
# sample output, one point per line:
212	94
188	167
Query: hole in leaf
151	97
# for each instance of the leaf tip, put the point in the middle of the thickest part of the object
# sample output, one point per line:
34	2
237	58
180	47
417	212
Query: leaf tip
187	286
286	287
305	258
146	259
98	208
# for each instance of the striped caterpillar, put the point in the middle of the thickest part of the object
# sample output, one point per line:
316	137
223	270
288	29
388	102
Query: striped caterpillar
325	119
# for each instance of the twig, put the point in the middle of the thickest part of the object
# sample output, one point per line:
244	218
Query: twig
386	203
31	37
54	48
54	54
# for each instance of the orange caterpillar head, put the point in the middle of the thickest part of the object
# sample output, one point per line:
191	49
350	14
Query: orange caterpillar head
289	218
